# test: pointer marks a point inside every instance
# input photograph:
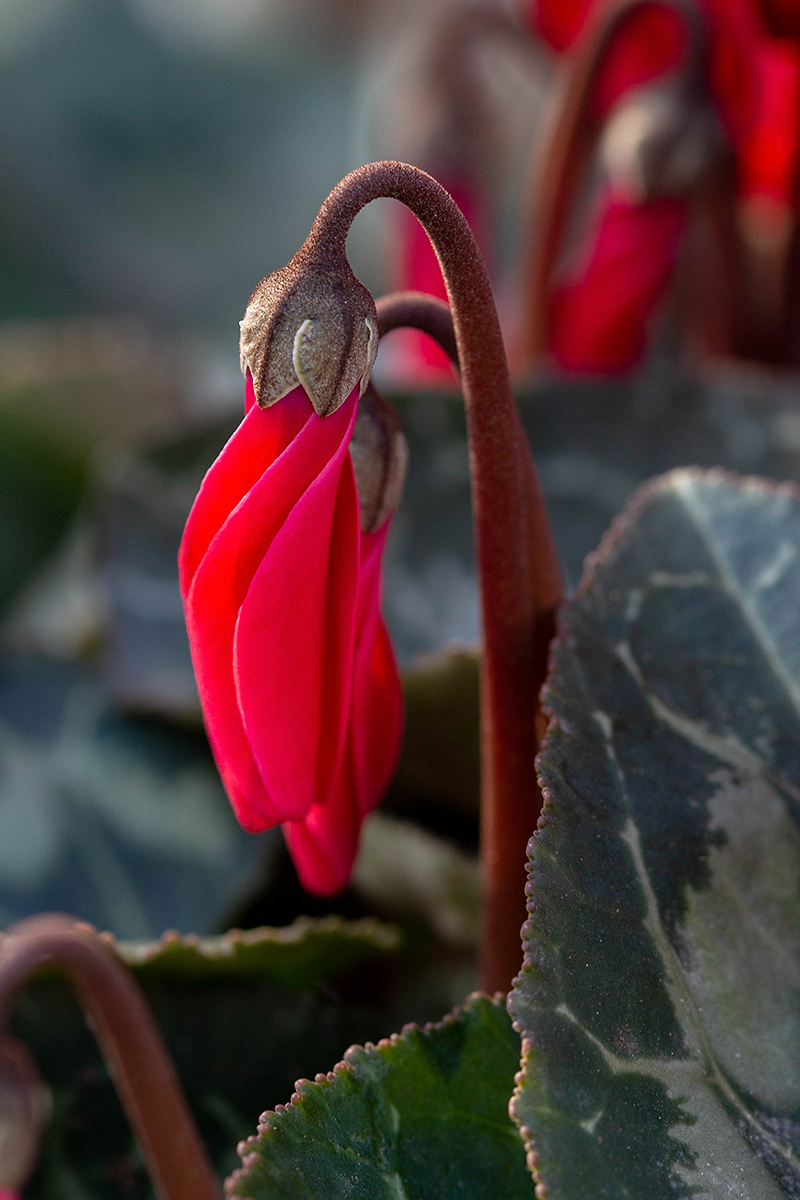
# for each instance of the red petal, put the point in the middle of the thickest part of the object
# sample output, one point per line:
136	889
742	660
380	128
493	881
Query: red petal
648	42
377	708
324	845
220	583
768	156
559	21
261	438
294	639
599	318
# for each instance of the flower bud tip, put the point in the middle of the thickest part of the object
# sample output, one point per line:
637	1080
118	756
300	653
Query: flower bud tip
313	324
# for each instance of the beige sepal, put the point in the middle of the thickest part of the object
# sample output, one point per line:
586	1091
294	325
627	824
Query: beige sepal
309	323
379	452
657	142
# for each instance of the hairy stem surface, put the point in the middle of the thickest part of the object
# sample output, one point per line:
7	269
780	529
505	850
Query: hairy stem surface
517	563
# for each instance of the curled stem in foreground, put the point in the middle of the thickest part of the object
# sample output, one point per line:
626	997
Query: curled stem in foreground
132	1046
517	563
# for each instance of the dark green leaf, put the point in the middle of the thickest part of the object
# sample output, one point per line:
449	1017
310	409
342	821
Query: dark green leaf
42	481
660	997
145	499
297	956
438	776
121	821
411	873
422	1115
242	1017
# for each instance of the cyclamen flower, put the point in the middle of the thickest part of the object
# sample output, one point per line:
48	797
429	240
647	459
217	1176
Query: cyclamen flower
277	556
602	305
281	589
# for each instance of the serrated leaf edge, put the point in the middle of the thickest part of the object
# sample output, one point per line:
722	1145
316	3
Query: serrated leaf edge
250	1157
664	483
219	947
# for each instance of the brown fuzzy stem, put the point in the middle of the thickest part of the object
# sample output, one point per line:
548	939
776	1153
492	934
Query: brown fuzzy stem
517	563
417	310
138	1061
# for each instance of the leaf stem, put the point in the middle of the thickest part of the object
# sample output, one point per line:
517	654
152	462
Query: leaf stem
517	563
138	1060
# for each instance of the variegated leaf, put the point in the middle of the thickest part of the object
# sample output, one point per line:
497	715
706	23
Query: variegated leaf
660	997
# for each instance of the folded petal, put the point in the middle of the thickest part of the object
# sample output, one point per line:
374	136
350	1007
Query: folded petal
220	583
262	437
600	317
324	845
376	721
294	640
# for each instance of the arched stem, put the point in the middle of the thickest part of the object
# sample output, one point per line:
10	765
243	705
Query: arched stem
517	563
132	1046
418	310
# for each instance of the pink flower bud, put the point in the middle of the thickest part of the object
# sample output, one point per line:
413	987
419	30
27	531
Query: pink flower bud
296	674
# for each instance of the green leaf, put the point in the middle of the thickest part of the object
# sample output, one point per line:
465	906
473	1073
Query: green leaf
660	996
297	956
423	1114
409	872
242	1016
439	769
42	481
121	821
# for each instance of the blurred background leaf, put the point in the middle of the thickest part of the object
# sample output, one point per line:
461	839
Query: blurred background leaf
117	819
242	1018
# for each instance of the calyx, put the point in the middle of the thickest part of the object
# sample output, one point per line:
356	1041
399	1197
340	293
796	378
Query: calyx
379	451
311	322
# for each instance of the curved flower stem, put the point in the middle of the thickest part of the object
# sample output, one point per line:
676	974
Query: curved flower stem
516	558
564	156
140	1066
418	310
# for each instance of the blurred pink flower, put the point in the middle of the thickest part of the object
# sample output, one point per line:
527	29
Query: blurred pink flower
599	315
604	304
